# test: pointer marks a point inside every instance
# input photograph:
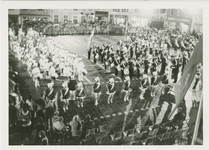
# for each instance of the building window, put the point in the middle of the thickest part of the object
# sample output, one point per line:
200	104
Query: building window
83	9
137	10
56	18
124	10
171	12
90	10
116	10
75	9
75	19
65	18
40	10
162	11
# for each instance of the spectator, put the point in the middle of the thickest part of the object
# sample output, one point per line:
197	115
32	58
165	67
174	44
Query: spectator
43	138
75	125
178	118
88	124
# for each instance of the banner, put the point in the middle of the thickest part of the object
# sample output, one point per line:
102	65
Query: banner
90	39
184	83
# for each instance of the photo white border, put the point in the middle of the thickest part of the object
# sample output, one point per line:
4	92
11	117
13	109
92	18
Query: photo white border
5	5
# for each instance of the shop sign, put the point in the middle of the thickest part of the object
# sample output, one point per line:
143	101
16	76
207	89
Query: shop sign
116	10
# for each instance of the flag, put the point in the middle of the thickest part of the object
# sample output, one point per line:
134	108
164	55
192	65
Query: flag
184	83
90	39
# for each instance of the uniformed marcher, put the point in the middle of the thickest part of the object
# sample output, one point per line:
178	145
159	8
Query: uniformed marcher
144	84
127	89
97	90
65	96
80	94
154	83
110	90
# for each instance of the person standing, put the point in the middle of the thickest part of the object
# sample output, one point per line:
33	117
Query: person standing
111	90
127	88
144	84
50	95
163	64
64	96
97	90
72	87
154	83
80	95
43	137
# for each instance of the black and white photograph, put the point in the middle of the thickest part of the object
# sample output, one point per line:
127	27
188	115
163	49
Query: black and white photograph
104	77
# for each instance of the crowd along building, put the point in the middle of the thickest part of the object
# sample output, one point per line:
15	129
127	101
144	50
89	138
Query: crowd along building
186	20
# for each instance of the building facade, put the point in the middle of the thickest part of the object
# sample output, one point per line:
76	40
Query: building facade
183	19
19	15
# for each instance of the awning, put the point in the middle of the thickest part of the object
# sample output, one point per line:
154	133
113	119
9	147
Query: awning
34	15
121	16
101	14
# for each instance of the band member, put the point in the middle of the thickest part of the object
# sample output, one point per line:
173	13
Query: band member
50	95
80	95
72	87
138	65
143	85
122	66
146	66
111	63
131	68
163	64
96	55
89	52
165	78
110	90
36	75
154	83
80	67
117	65
127	88
65	96
105	61
52	73
175	69
154	65
97	90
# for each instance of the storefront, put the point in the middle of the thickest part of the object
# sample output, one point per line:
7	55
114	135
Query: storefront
139	21
87	17
177	23
120	19
101	16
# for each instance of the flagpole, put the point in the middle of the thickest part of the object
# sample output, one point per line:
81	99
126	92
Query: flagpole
199	115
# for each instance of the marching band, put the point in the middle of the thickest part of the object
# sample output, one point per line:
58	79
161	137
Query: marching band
147	56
